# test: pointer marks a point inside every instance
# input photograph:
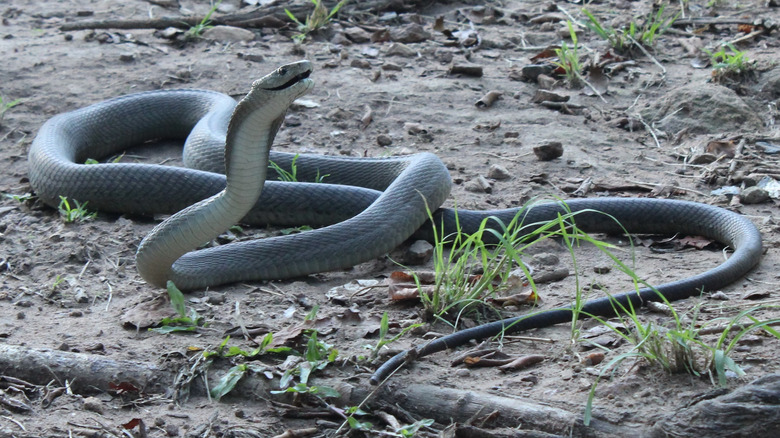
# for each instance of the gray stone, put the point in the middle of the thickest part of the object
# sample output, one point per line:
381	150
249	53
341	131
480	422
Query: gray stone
754	195
702	109
357	35
401	49
228	34
548	151
413	33
93	404
419	253
498	172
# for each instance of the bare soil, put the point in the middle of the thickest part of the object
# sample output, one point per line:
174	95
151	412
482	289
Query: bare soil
73	286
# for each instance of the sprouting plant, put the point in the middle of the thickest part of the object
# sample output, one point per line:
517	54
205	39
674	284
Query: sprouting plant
185	321
319	18
57	281
292	174
71	214
197	30
654	26
114	160
5	106
569	58
384	328
19	198
679	347
729	64
623	40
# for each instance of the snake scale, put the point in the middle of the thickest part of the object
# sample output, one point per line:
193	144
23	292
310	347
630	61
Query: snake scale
368	207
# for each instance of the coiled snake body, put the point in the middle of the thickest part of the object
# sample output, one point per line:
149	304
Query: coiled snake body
370	205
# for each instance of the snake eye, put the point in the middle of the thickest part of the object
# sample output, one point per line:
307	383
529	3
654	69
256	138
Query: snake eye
282	71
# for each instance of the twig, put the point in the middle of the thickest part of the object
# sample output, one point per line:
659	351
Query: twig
735	159
652	58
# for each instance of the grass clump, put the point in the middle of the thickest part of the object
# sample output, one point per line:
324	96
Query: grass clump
731	64
569	59
468	271
6	105
196	31
74	213
292	174
678	347
624	40
318	19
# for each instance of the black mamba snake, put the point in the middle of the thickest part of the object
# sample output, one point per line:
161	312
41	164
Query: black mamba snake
369	205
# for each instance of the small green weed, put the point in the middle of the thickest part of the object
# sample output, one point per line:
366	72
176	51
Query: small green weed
623	40
71	214
197	30
384	328
679	347
19	198
319	18
114	160
186	321
569	58
729	65
5	106
292	174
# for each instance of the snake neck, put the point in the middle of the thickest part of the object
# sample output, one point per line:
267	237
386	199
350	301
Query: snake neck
247	150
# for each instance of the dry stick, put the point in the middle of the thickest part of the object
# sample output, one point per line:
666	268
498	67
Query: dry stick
735	159
93	373
652	58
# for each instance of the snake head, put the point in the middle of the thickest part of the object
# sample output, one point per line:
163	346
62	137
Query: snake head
290	79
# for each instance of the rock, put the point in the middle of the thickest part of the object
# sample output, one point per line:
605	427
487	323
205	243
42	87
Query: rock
228	34
389	66
548	151
419	253
498	172
478	185
360	63
545	259
413	33
400	49
384	140
548	96
81	296
754	195
93	404
357	35
531	72
702	109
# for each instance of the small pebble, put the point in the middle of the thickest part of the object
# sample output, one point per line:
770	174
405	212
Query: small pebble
419	253
498	172
384	140
93	404
719	296
479	185
754	195
548	151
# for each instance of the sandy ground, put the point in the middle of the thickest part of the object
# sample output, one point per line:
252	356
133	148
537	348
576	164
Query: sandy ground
73	287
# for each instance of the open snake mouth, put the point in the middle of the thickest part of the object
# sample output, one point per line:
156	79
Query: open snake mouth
295	79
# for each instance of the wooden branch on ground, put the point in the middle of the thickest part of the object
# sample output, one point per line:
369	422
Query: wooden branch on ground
264	16
90	373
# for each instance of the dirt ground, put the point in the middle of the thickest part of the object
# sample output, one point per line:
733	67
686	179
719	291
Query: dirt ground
73	287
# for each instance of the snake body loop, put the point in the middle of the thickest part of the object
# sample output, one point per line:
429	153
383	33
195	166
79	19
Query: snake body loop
369	205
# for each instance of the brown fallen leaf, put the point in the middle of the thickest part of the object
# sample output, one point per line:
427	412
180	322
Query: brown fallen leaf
522	362
519	299
721	148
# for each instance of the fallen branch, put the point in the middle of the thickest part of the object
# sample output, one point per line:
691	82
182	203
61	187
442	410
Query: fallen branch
89	373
